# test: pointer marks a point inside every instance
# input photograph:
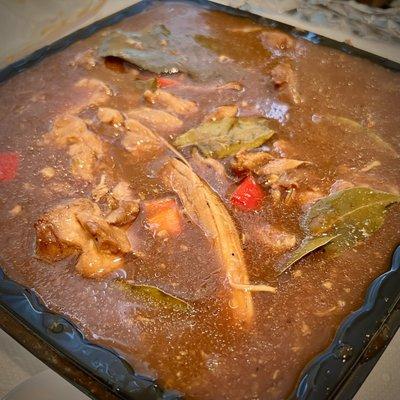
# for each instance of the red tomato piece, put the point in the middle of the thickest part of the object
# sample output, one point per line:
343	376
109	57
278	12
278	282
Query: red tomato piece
248	196
9	162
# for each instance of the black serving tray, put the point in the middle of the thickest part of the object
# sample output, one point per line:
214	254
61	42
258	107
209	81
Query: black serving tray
337	373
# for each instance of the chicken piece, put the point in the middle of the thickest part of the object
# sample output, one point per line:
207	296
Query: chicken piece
98	91
262	163
48	172
282	74
85	59
84	147
127	207
284	79
140	140
171	102
274	238
222	112
59	234
95	264
157	120
277	42
110	116
77	227
231	86
211	170
247	161
101	189
126	213
309	197
108	238
283	148
278	166
339	185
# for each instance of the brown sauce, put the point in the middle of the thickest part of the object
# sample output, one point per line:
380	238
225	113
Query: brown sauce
206	353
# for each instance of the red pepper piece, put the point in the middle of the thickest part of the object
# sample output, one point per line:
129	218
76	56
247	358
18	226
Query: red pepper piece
9	162
163	82
248	196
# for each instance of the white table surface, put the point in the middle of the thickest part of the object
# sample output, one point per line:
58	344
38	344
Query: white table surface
26	26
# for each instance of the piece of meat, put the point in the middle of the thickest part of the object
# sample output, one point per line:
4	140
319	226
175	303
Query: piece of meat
126	206
84	147
282	74
237	86
211	170
48	172
157	120
308	197
170	102
108	238
77	227
95	264
125	213
277	42
222	112
98	91
59	234
283	148
85	59
340	185
139	140
248	161
278	166
110	116
274	238
285	81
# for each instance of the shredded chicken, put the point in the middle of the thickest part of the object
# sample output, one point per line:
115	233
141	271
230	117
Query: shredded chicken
140	140
110	116
126	206
48	172
277	42
85	59
246	29
248	161
157	120
262	163
171	102
84	147
222	112
339	185
77	227
278	166
284	79
205	209
231	86
99	92
274	238
371	165
308	197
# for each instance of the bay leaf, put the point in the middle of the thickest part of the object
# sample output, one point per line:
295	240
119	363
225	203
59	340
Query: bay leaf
352	214
154	295
308	245
226	136
355	127
144	48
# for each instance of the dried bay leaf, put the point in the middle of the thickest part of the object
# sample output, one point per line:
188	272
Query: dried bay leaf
154	295
353	214
227	136
340	221
144	48
308	245
355	127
